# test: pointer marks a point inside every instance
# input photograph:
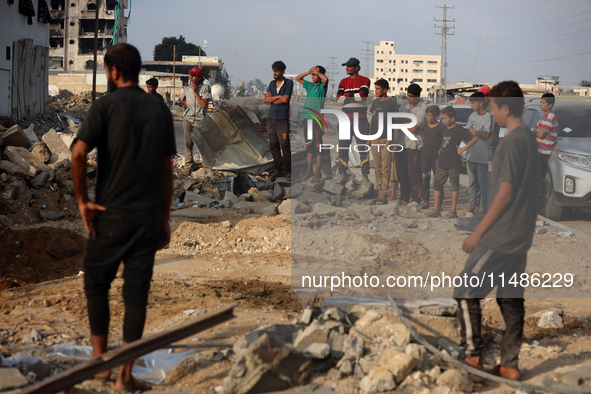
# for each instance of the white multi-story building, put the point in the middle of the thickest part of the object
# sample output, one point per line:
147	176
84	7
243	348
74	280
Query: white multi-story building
402	70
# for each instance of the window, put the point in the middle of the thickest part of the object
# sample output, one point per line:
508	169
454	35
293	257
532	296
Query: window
417	71
432	62
393	70
56	62
418	80
432	80
89	64
432	71
390	52
418	62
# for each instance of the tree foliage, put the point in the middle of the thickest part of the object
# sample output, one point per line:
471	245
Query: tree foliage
584	83
164	51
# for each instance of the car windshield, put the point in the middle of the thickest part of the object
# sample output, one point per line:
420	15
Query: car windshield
462	115
574	121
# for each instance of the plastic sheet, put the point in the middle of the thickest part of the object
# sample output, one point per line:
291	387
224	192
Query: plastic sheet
21	358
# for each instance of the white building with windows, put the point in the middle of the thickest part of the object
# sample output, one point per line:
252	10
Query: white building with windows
402	70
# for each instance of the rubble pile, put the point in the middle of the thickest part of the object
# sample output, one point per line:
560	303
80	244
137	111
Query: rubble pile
66	100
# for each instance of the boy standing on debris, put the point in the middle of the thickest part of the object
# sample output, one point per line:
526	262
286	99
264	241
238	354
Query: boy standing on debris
382	157
432	136
278	95
134	136
315	96
499	244
413	148
449	161
479	125
546	131
195	97
352	94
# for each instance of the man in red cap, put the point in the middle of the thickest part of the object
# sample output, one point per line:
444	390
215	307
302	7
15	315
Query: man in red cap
195	97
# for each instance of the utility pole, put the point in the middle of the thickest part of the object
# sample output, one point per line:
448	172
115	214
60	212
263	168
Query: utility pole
333	71
445	31
96	24
173	74
367	55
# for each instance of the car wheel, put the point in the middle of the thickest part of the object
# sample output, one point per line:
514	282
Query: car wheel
551	210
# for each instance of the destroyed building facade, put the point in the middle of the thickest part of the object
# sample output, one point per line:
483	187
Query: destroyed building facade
71	34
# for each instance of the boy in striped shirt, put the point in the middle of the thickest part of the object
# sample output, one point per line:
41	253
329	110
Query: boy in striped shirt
546	131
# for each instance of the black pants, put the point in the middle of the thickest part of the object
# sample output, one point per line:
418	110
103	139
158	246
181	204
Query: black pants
119	240
279	144
481	262
402	171
345	145
414	174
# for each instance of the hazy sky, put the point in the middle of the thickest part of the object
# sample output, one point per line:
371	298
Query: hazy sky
493	40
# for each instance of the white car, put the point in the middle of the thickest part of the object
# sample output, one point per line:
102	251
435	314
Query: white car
568	182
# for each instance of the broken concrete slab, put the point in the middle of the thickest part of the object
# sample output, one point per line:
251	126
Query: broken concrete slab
12	169
399	364
282	333
11	378
311	334
52	215
550	319
26	160
333	187
297	190
40	180
256	194
329	210
15	136
295	207
378	380
318	351
336	341
457	380
278	192
40	151
197	199
579	377
55	143
30	132
267	366
374	324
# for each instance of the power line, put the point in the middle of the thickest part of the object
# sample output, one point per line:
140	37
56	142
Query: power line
333	71
367	55
445	31
523	61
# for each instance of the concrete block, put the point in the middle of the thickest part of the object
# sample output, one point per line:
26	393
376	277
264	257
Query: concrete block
374	324
318	351
311	334
52	215
15	136
550	319
333	187
336	341
197	199
12	169
378	380
261	208
399	364
55	143
30	133
257	196
297	190
40	180
11	378
278	192
456	380
328	210
41	152
26	160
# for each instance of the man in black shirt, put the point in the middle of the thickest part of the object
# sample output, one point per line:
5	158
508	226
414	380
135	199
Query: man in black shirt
129	221
151	86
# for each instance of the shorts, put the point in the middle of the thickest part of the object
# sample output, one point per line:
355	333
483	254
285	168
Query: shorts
313	144
441	176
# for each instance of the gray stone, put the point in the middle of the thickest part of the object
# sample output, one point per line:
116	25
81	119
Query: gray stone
311	334
353	347
332	314
456	379
328	210
374	324
334	374
310	198
278	192
242	209
454	350
74	125
40	180
307	316
11	378
336	342
26	160
388	209
317	351
63	163
267	366
52	215
203	173
12	169
578	377
260	208
5	221
281	333
345	366
308	185
361	210
231	197
297	190
257	196
40	151
418	353
189	183
333	187
197	199
30	133
33	336
15	136
352	185
399	364
550	319
336	200
285	208
378	380
55	143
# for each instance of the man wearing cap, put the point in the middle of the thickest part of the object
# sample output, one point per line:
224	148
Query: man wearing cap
195	97
352	94
151	86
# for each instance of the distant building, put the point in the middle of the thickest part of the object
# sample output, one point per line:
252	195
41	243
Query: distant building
23	65
71	34
402	70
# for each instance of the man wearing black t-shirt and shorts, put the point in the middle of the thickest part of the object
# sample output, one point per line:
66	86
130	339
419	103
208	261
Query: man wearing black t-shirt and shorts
499	244
129	221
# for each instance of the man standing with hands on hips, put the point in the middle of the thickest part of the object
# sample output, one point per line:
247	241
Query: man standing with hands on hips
195	97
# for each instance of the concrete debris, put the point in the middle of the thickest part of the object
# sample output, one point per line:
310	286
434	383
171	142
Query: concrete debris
40	151
15	136
399	364
550	319
378	380
581	376
374	325
52	215
57	142
11	378
311	334
26	160
12	169
457	380
267	366
307	316
318	351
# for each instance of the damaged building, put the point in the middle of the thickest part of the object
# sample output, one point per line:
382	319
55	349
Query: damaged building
71	33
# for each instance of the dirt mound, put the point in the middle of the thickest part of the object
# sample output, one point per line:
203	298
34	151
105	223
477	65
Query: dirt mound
39	255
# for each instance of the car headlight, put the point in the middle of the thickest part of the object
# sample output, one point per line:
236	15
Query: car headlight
574	159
